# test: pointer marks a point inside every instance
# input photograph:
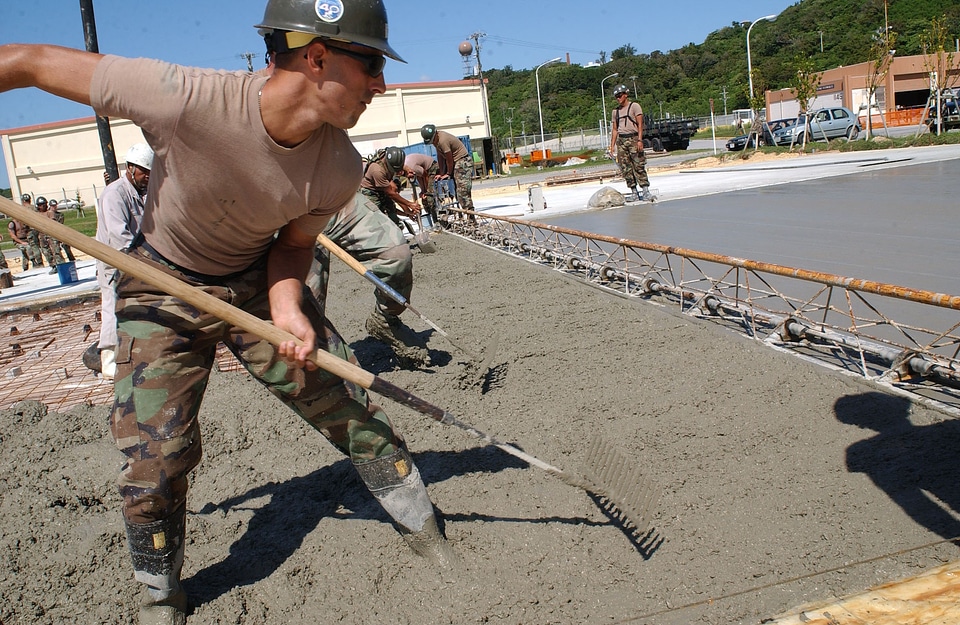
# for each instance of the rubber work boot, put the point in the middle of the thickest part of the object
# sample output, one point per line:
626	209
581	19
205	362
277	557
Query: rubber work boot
647	197
91	357
157	552
411	352
395	482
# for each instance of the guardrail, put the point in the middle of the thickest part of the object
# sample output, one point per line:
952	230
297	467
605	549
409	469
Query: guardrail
902	338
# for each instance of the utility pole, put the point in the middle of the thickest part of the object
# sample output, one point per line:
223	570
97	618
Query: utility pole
249	57
510	121
724	100
483	88
103	124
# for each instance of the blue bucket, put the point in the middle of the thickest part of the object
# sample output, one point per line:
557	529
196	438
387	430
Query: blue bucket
67	272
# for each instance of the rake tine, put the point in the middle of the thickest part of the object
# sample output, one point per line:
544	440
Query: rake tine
610	476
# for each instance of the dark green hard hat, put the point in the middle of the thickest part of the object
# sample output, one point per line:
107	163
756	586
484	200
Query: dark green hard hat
394	158
362	22
428	132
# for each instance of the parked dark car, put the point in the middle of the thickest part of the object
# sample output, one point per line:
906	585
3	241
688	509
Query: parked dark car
826	123
951	112
741	141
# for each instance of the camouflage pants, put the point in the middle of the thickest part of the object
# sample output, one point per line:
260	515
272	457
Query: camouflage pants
632	162
167	349
367	235
25	256
51	250
463	177
428	196
31	251
41	243
384	204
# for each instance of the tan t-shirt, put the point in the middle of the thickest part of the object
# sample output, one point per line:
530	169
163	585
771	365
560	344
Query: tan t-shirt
220	187
376	177
625	119
447	143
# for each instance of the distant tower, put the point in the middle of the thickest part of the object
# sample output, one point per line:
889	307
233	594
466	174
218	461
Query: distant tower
466	51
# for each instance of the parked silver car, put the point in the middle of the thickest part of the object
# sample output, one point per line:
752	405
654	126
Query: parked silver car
826	123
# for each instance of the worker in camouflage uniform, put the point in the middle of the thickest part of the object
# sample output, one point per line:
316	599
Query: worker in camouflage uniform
379	184
244	234
25	238
424	169
49	247
455	162
626	141
369	236
58	217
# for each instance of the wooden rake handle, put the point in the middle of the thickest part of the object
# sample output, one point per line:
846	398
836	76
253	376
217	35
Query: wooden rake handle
231	314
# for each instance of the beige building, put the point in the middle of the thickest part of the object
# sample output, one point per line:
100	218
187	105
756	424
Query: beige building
901	96
64	160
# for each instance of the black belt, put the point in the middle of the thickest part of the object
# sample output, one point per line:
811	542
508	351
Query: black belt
626	136
203	278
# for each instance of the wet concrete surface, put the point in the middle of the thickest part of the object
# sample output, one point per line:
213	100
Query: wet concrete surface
896	225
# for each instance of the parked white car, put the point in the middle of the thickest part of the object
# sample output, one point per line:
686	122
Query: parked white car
826	123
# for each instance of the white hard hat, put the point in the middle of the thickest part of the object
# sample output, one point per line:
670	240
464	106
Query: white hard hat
140	154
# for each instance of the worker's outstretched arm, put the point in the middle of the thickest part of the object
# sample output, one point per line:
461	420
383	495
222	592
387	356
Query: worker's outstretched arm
65	72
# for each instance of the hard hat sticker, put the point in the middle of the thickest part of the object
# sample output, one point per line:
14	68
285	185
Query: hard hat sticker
329	11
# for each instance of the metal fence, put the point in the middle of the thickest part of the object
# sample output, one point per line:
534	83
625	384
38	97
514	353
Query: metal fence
904	339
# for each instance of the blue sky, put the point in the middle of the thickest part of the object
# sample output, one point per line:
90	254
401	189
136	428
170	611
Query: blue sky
217	34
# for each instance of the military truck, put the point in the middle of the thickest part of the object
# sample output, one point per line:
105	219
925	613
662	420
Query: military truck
668	134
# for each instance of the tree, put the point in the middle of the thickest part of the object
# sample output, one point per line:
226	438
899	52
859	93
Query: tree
937	60
882	49
805	82
623	52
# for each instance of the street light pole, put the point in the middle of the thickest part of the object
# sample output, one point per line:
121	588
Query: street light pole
603	103
536	74
769	18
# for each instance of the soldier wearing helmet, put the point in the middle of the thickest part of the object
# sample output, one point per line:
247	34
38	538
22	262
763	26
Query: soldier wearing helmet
380	188
381	185
626	142
455	161
49	247
26	238
243	228
119	214
55	214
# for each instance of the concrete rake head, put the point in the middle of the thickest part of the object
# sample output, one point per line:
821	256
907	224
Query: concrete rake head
625	492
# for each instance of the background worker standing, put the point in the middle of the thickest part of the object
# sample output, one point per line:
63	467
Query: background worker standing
57	216
455	162
626	142
49	246
118	225
20	233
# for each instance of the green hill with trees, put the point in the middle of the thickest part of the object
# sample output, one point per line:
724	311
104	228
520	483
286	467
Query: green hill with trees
681	82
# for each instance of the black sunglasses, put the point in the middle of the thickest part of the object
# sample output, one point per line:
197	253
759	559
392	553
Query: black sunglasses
372	63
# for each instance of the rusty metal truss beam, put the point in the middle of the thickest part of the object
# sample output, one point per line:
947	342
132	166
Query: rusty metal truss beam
902	338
